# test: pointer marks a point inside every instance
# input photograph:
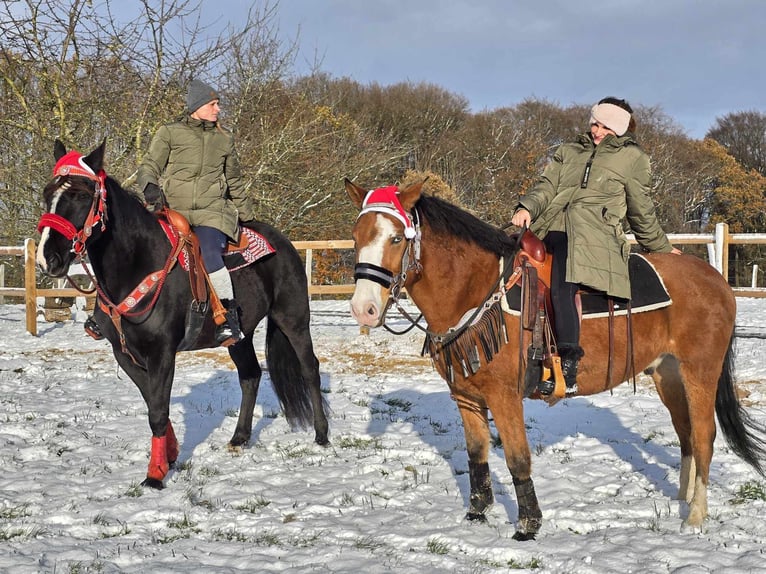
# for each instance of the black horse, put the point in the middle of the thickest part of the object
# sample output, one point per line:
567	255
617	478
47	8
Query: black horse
130	253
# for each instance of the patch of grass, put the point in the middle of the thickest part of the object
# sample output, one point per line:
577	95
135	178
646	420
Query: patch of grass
183	524
9	533
531	564
207	471
436	546
651	436
122	531
399	404
347	499
134	490
253	505
267	539
295	451
229	535
367	543
14	512
358	442
751	490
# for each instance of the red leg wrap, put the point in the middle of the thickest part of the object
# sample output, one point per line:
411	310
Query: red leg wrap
158	462
172	444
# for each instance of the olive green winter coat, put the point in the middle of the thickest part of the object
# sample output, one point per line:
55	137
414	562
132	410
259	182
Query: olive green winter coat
198	165
591	209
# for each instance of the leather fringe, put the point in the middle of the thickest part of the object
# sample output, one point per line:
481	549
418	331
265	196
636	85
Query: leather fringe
475	346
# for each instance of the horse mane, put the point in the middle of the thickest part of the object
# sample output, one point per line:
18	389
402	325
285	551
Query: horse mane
447	218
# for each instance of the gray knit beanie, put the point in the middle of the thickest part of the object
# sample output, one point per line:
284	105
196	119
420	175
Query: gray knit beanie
199	94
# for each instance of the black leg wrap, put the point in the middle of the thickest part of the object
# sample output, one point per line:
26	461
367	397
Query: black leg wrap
481	491
530	516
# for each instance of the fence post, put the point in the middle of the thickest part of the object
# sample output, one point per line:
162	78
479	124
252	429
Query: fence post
309	260
2	283
725	250
30	282
720	247
754	280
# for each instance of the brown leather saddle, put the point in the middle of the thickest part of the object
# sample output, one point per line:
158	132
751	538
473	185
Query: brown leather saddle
204	296
536	321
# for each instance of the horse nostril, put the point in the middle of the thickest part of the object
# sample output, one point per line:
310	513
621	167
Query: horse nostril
371	310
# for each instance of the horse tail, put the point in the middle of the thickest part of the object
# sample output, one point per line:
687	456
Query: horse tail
286	378
744	435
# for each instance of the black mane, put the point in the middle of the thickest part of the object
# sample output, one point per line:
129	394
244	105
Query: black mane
446	218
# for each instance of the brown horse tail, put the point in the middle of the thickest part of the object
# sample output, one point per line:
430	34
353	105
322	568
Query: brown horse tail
745	436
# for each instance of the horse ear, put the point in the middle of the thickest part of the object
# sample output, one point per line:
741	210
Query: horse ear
410	195
356	193
95	159
59	150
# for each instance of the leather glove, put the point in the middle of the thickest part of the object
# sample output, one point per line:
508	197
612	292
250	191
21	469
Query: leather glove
154	198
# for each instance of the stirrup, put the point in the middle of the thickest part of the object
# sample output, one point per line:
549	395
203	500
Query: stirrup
92	329
546	388
225	335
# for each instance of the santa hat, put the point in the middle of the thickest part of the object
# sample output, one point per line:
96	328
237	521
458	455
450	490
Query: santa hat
386	200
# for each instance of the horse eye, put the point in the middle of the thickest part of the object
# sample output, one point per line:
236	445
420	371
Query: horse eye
396	239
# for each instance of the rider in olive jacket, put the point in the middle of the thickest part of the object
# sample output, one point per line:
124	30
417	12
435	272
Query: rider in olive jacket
617	188
198	164
577	206
200	172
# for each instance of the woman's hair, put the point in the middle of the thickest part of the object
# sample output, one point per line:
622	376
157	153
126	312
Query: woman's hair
625	106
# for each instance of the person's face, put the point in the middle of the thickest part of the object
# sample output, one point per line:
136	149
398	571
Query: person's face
599	131
209	112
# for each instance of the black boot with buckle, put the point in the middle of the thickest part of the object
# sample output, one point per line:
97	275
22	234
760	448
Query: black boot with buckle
229	332
570	359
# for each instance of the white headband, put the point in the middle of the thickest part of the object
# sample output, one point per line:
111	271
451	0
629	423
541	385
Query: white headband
611	116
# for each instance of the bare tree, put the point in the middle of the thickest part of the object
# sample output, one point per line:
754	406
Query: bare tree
743	135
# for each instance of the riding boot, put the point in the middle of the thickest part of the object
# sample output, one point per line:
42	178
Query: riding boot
230	329
92	329
570	359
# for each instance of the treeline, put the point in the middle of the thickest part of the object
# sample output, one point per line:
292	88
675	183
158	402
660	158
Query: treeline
84	71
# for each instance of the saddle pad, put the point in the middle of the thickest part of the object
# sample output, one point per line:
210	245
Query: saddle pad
647	293
257	248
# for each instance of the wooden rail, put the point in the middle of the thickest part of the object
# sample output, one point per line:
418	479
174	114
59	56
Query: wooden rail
718	248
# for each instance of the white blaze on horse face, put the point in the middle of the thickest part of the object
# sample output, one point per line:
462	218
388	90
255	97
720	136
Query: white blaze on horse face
46	233
367	303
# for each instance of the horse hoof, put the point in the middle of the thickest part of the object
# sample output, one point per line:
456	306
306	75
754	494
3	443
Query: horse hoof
235	448
322	441
153	483
476	517
524	536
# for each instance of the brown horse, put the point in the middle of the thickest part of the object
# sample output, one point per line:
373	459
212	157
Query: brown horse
449	262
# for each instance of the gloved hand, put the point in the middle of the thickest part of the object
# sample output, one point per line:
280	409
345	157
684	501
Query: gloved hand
154	198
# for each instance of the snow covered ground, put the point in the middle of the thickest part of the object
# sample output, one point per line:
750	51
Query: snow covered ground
388	495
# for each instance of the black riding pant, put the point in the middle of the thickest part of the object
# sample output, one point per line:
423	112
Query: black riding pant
565	315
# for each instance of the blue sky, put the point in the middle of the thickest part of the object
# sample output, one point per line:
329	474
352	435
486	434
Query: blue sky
695	59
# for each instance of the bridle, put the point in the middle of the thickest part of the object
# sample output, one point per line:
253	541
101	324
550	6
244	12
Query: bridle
385	201
97	214
71	164
411	262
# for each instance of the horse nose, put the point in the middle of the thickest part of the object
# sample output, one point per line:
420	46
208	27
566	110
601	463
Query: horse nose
366	313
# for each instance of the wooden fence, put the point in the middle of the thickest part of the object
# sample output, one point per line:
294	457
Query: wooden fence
718	250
